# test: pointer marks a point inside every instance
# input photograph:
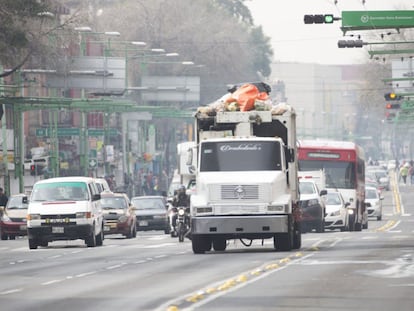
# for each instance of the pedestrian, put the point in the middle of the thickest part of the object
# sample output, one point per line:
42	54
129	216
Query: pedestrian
3	198
404	172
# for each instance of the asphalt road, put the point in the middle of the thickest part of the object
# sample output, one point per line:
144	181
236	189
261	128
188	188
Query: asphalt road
368	270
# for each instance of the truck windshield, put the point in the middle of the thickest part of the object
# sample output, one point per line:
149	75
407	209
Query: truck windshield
240	156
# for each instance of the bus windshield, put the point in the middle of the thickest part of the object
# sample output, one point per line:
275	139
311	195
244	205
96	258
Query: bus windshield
338	174
240	156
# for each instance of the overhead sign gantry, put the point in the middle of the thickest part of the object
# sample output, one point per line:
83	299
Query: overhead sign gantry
369	20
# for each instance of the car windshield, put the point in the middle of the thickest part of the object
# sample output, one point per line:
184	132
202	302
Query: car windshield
16	203
143	204
60	191
371	194
113	203
333	199
306	188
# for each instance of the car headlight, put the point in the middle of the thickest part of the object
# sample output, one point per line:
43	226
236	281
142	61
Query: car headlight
33	217
123	218
336	213
5	218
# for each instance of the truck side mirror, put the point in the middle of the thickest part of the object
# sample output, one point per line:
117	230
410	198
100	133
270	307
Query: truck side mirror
290	154
189	157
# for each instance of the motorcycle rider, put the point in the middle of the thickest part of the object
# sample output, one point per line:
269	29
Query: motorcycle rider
180	199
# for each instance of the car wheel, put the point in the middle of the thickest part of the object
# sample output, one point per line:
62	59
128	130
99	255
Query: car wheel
379	217
44	243
91	239
320	227
134	231
99	238
4	236
32	244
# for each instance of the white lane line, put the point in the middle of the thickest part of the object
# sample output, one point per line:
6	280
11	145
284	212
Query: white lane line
12	291
85	274
51	282
160	256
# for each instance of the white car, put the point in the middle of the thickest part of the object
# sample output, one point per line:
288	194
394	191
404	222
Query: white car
373	202
337	215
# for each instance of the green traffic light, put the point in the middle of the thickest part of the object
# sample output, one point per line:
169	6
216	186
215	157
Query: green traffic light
329	19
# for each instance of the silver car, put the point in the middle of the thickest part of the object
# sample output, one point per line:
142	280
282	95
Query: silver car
373	202
337	215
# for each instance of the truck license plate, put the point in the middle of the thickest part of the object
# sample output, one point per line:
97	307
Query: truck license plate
143	223
58	230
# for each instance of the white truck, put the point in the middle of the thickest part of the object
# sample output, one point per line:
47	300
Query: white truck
246	180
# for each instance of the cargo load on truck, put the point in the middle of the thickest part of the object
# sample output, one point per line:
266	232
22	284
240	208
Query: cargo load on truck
246	172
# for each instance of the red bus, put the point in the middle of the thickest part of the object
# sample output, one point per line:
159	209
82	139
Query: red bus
344	165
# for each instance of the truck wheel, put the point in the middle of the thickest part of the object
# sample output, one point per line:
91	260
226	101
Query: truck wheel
297	236
32	244
219	244
197	244
4	236
283	241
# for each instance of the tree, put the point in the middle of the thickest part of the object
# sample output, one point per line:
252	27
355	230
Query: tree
24	28
216	34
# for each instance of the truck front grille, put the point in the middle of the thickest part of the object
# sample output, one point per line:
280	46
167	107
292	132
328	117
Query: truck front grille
239	192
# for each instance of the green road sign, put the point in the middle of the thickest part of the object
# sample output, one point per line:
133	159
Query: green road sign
72	131
366	20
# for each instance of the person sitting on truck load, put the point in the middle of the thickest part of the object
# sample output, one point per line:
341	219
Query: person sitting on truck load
181	198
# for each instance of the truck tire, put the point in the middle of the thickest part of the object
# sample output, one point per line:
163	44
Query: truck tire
200	244
32	244
297	236
197	245
219	244
283	241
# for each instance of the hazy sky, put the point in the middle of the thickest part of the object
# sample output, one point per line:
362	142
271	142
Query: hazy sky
292	40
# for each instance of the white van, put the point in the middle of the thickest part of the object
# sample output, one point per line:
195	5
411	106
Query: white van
65	208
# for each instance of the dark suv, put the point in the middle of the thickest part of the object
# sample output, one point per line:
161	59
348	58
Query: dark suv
312	205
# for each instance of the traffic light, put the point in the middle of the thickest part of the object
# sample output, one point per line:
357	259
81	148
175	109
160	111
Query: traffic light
392	96
350	44
33	170
392	106
36	169
319	19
